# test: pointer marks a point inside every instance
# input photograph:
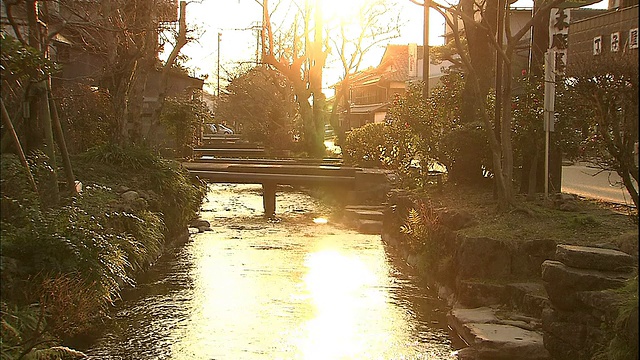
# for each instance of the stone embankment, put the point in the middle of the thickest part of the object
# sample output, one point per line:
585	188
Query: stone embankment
576	282
528	299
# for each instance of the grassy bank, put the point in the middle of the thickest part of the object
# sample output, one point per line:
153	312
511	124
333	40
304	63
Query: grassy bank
63	264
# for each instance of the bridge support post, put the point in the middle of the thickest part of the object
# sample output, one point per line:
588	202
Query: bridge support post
269	199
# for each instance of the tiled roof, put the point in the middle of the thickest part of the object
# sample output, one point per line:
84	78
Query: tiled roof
394	66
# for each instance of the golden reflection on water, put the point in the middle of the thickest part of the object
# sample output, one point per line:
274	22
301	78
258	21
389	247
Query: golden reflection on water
290	290
341	289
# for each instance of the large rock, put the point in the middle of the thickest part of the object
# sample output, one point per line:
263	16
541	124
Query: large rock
483	258
562	282
455	219
474	293
570	335
130	195
371	227
583	257
530	298
529	255
492	338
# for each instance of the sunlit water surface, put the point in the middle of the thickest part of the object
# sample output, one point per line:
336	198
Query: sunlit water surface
293	289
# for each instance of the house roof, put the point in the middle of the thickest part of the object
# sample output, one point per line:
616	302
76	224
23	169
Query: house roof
395	62
394	66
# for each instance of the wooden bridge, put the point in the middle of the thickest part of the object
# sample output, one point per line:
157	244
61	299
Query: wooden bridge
270	173
229	159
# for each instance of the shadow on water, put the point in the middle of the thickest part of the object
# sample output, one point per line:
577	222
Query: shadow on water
293	289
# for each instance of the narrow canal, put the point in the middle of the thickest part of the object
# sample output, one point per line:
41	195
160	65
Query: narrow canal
292	289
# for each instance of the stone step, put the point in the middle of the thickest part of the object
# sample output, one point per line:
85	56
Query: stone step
366	207
584	257
563	282
359	214
530	298
371	227
491	337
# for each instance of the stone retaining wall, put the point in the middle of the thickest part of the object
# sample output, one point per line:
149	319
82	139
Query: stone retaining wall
561	287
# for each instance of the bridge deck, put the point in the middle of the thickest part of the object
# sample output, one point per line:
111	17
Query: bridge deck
273	173
266	178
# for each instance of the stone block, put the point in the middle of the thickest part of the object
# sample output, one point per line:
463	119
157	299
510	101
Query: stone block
483	258
562	282
529	255
478	293
584	257
370	227
530	298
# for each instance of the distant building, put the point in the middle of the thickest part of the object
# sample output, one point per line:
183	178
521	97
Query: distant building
518	19
371	91
614	31
85	62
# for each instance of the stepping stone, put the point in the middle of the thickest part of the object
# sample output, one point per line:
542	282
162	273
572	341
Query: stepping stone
357	214
493	338
370	227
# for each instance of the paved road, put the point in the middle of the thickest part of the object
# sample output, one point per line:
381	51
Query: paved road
586	181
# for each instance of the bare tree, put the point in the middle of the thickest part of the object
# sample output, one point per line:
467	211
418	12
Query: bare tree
499	137
375	23
604	92
301	61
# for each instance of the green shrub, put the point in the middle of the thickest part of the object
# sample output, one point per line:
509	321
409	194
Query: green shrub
365	146
87	116
139	168
622	339
19	202
130	158
72	260
466	153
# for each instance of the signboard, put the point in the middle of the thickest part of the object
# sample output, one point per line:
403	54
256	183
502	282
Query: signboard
559	36
597	45
633	38
615	42
413	60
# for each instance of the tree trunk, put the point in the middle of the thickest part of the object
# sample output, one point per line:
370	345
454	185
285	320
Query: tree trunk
62	145
10	129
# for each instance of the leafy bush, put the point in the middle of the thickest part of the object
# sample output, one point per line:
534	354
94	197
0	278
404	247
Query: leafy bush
184	116
131	158
465	152
366	146
139	168
87	116
425	235
19	202
72	260
262	103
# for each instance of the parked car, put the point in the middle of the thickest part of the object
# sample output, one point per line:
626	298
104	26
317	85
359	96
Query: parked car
222	129
217	129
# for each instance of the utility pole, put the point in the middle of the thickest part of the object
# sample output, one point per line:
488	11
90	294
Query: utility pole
425	51
219	37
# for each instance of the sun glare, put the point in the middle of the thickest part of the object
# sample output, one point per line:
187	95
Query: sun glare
340	11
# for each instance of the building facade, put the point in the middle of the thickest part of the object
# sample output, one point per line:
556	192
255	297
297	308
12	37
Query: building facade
371	91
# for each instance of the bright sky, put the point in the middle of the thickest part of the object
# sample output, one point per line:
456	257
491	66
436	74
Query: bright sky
236	18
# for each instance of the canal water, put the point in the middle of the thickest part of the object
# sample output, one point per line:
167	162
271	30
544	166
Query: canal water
302	287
